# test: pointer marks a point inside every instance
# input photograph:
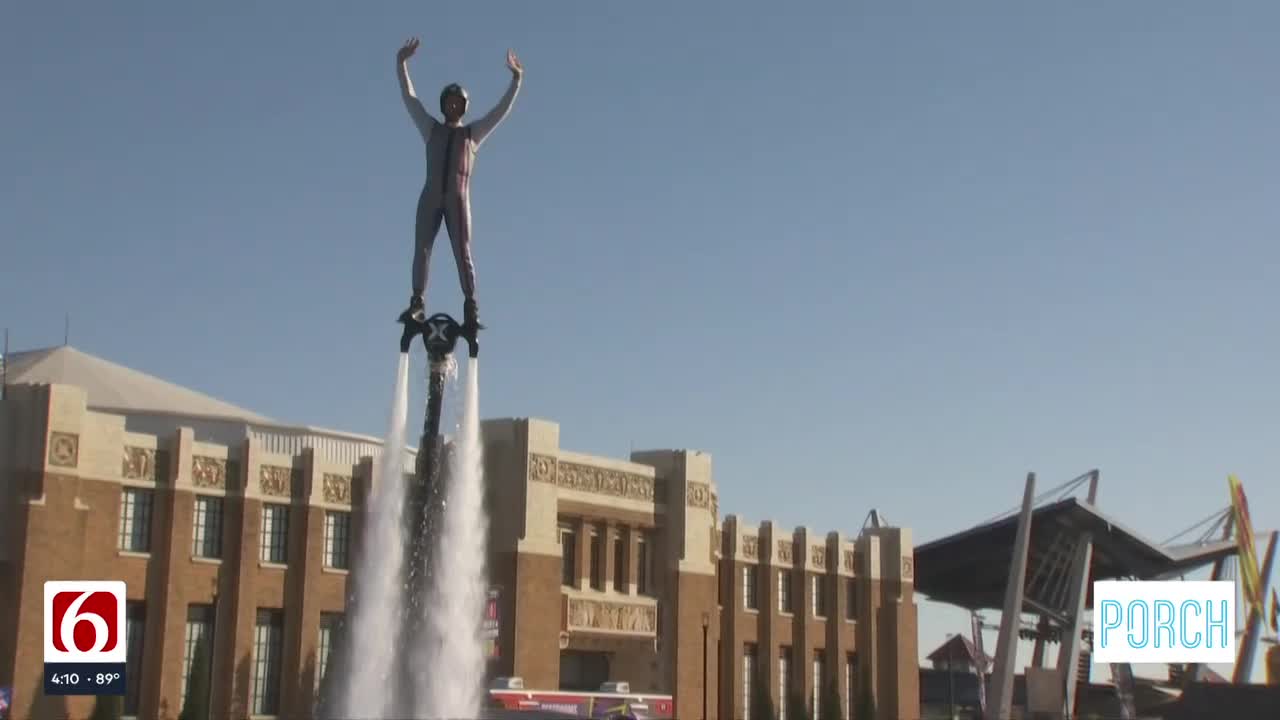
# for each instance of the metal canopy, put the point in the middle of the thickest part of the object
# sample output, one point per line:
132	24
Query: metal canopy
971	568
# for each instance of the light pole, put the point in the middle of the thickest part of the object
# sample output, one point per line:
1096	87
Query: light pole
951	677
706	623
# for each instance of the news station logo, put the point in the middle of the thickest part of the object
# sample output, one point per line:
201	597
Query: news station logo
1164	621
84	637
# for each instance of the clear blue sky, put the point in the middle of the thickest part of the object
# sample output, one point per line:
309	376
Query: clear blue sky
866	257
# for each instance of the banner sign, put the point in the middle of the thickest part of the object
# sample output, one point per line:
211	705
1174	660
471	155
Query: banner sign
491	625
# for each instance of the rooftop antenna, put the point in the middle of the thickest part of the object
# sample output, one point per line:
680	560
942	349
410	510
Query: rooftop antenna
66	330
874	520
4	367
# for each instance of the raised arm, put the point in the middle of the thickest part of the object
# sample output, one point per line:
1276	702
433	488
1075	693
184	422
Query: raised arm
421	118
481	128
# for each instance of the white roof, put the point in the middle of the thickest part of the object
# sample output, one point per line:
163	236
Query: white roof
117	388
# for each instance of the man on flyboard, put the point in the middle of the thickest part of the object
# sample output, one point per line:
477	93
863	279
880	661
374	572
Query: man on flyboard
446	196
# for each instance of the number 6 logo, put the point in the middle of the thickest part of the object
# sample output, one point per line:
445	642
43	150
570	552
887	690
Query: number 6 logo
84	621
67	627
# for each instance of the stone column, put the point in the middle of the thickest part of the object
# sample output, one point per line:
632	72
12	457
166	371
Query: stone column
768	621
361	488
730	647
836	637
688	573
302	608
582	527
899	634
230	488
244	522
803	641
165	624
533	609
870	641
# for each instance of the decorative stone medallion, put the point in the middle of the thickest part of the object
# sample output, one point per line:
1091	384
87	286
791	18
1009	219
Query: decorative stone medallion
278	481
786	550
750	546
591	479
850	561
542	468
337	489
209	472
698	495
612	617
818	556
138	463
64	449
908	568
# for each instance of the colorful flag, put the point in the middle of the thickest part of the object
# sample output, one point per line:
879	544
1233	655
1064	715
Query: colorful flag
1254	593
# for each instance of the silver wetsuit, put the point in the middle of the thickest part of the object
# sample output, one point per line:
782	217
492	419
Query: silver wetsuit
446	195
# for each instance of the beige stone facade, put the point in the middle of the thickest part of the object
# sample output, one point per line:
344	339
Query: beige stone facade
608	569
182	523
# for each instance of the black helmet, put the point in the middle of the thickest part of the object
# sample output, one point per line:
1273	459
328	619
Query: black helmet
454	89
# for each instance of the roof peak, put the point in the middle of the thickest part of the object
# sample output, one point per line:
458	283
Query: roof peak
111	386
967	651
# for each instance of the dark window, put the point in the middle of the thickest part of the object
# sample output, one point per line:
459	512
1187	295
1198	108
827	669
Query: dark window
784	591
330	625
135	620
135	520
850	682
750	588
337	535
620	562
784	681
275	534
749	679
815	691
199	629
644	564
568	557
597	559
206	535
268	646
583	671
819	596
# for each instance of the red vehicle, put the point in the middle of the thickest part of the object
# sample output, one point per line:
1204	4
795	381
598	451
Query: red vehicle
614	701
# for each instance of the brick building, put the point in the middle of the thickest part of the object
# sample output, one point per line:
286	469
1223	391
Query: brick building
232	527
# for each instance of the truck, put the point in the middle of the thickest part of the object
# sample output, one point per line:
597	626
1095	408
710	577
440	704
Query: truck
613	701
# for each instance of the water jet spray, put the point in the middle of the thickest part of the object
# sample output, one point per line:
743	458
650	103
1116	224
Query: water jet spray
440	334
425	496
423	578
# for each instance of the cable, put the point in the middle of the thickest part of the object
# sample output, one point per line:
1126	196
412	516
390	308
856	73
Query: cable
1063	491
1217	519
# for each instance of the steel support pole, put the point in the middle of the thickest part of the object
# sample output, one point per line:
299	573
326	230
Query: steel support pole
1001	701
